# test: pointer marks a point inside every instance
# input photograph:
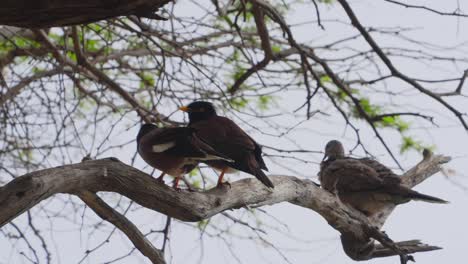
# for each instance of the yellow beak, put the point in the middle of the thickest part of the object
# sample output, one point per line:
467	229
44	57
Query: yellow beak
184	108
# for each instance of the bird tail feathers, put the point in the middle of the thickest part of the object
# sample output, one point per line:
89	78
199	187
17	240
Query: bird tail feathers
261	176
426	198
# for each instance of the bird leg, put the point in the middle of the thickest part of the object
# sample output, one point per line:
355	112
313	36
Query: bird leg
176	184
160	178
220	179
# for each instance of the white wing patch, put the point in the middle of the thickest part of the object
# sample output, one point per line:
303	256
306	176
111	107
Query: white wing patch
163	147
214	157
210	157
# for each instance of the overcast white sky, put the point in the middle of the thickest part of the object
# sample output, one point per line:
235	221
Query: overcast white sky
311	240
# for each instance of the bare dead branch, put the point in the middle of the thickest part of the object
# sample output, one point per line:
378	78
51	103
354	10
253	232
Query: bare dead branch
317	13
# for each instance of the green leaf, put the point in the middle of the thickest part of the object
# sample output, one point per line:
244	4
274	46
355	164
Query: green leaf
234	58
388	120
147	79
328	2
366	106
409	143
238	73
92	45
202	224
276	49
264	102
72	56
325	79
238	102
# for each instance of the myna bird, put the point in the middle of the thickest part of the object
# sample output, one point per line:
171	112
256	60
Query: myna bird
364	184
228	139
174	151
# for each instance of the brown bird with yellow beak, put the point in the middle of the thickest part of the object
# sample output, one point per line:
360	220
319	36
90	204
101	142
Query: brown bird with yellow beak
364	184
228	139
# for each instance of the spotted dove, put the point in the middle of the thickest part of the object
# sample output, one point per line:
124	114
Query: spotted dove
364	184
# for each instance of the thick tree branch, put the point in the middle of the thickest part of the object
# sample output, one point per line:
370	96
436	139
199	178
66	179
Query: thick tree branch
103	210
111	176
39	14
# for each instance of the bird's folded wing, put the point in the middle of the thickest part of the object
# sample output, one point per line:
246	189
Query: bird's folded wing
383	171
167	135
210	153
225	137
181	141
353	176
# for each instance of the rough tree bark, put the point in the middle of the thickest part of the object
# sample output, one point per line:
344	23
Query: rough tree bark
53	13
87	178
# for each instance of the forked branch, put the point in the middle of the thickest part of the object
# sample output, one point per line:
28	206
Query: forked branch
109	175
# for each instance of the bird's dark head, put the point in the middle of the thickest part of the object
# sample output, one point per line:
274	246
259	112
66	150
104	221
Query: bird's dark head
333	150
199	110
145	129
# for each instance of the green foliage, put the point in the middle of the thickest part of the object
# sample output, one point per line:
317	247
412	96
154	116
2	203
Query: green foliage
238	72
193	173
72	56
36	70
328	2
92	45
238	102
60	40
25	43
194	179
394	122
147	80
234	57
101	33
409	143
377	115
17	42
371	110
86	105
25	154
276	49
203	224
325	79
264	102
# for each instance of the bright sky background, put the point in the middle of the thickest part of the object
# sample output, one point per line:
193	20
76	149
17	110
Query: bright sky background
311	240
